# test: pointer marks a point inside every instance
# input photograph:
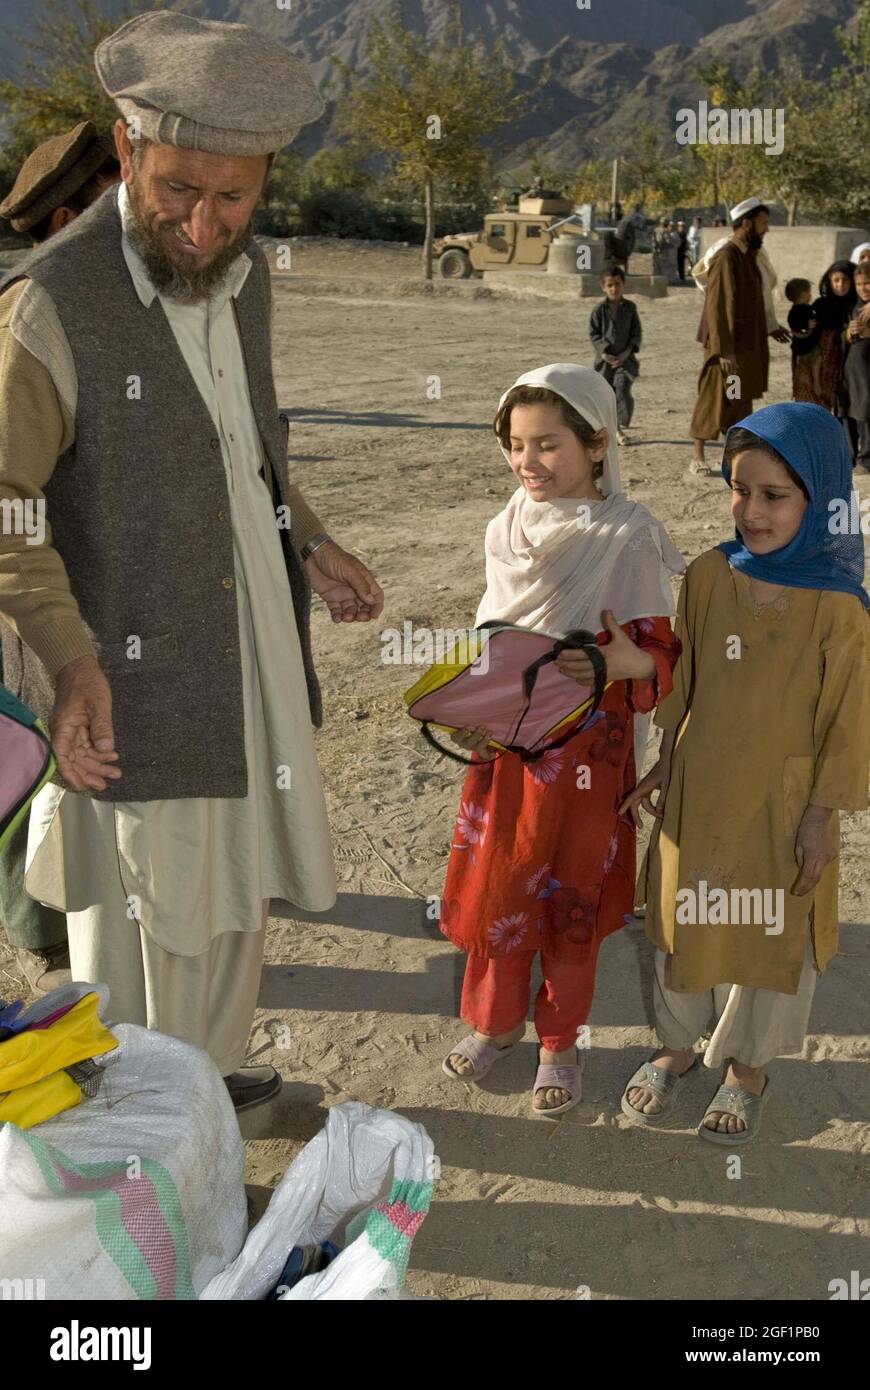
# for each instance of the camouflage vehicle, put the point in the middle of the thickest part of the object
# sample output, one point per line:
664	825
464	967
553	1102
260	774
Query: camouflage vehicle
517	240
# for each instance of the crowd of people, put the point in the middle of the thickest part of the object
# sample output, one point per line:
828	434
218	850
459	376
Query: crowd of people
174	691
831	346
738	811
829	333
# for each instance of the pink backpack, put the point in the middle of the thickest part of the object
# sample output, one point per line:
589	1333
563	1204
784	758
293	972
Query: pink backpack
512	688
26	760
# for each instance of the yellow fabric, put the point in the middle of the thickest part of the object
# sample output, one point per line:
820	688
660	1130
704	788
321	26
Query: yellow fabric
38	1053
760	736
41	1100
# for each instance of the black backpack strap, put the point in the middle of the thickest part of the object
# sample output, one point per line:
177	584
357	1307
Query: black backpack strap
430	738
577	640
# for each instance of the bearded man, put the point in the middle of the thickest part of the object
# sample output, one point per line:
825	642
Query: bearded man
734	331
169	603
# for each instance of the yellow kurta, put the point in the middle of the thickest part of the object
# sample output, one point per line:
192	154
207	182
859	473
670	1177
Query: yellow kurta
761	734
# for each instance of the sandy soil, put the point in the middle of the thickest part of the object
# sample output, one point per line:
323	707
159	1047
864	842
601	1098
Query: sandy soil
523	1209
360	1003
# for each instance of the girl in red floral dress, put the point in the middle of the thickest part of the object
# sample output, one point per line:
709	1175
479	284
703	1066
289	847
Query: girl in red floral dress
541	860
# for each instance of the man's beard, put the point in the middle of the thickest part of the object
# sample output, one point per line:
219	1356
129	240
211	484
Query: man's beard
755	241
169	278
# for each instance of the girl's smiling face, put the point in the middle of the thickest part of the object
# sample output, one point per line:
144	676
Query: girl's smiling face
547	456
766	504
841	283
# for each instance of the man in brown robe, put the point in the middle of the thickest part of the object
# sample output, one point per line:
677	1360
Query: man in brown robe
736	356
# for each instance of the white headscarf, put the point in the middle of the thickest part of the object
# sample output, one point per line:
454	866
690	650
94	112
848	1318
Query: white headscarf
856	254
554	566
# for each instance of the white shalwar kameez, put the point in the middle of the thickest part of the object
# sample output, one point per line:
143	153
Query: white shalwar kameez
167	900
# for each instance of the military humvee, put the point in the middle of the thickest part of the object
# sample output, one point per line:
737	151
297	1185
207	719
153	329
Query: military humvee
510	240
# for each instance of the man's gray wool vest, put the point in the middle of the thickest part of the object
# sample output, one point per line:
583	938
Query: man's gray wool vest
140	515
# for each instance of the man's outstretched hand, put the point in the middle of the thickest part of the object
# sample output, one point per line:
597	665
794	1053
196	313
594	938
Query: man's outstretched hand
81	727
348	589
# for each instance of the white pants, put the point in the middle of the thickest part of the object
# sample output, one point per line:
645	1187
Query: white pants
208	999
752	1025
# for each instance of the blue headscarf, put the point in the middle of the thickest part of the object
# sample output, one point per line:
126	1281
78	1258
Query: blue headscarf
813	442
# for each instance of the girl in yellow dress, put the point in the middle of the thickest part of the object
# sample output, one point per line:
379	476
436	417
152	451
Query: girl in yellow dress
766	737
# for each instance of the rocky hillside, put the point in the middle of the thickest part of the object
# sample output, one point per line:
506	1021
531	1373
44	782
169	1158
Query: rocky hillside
615	68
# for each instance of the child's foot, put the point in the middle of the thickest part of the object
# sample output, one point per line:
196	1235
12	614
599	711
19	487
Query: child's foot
552	1097
740	1078
621	437
461	1065
670	1059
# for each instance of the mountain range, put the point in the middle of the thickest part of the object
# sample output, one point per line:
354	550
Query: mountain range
615	68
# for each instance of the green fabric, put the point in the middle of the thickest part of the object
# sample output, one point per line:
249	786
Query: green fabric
141	1230
28	924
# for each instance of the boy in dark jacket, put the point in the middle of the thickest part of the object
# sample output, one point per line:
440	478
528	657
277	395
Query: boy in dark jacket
614	327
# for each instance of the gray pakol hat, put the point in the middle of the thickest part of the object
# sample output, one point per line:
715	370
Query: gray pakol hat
206	85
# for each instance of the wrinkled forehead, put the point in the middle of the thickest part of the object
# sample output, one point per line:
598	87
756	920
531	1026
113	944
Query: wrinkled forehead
210	173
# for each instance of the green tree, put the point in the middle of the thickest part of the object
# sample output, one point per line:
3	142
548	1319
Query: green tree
822	166
724	169
58	85
278	212
425	107
847	137
591	182
655	177
337	167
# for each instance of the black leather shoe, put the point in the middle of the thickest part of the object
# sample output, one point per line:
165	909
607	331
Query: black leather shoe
250	1086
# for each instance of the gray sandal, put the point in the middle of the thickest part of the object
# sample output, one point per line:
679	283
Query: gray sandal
482	1056
563	1077
731	1100
664	1086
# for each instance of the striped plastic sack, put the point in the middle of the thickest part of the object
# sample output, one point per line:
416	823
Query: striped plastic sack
136	1193
365	1183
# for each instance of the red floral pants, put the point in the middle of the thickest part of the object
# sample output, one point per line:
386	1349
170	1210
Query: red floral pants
496	992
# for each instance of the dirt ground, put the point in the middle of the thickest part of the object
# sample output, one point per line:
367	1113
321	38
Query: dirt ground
369	993
360	1003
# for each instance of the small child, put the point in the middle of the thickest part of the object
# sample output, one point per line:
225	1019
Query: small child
856	371
805	356
614	327
766	736
832	311
541	860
